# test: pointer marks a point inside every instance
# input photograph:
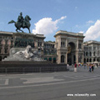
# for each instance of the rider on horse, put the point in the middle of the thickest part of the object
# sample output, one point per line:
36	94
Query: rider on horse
20	20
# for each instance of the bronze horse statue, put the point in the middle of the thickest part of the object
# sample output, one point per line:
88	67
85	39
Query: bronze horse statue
20	25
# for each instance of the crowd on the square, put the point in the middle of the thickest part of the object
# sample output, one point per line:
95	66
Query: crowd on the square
90	66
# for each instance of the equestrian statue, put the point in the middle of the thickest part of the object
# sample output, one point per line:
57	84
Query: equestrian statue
22	23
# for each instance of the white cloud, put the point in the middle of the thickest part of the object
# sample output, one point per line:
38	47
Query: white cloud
63	17
81	31
93	31
46	25
90	22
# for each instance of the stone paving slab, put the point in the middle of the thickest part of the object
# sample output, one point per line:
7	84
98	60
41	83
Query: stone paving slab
4	81
50	86
40	80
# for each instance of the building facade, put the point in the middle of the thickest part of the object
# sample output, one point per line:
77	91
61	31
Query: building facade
92	52
6	43
68	47
10	40
50	51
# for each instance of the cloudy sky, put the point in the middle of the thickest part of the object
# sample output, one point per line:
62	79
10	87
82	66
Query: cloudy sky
50	16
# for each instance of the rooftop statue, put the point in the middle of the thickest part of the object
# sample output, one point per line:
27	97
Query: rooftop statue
22	23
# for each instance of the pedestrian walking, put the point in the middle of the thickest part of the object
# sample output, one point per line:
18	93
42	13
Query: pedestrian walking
90	68
75	67
84	66
67	66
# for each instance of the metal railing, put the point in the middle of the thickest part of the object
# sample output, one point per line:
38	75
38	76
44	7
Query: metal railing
29	68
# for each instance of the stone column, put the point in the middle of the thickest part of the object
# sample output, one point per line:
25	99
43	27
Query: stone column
91	59
77	55
3	47
3	50
72	56
66	43
36	44
42	45
82	53
59	43
95	58
8	50
66	58
83	57
59	58
9	45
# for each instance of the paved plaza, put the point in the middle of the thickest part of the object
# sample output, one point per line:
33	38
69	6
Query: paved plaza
67	85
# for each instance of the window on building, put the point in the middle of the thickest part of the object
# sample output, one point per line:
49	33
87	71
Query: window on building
62	58
90	53
6	50
62	44
80	45
39	44
87	60
50	59
6	42
98	59
86	53
94	48
12	43
98	53
94	53
84	60
52	46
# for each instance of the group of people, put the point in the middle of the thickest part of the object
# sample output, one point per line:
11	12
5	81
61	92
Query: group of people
89	66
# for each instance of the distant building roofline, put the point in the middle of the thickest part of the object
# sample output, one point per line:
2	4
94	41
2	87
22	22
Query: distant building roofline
91	42
61	32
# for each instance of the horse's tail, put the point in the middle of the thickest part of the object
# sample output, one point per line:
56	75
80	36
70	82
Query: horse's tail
12	21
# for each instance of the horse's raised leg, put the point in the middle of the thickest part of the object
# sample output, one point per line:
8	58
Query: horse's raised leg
16	30
19	30
22	31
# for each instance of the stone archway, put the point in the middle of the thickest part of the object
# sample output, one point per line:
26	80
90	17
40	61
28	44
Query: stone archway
71	56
